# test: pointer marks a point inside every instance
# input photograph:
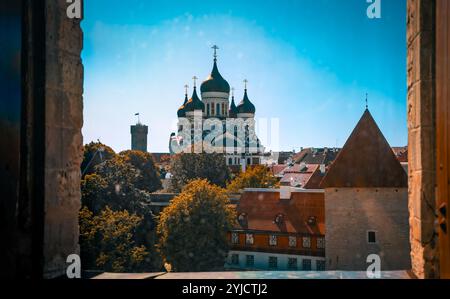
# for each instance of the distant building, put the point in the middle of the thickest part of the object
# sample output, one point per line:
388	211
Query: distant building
211	122
139	137
316	155
278	230
366	203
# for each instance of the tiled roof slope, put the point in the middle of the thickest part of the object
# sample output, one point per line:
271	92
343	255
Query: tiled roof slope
366	160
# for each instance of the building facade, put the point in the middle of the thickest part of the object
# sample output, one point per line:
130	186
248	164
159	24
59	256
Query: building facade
278	231
366	203
214	124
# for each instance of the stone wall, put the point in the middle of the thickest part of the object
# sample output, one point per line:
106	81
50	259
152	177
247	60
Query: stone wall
63	123
350	213
421	136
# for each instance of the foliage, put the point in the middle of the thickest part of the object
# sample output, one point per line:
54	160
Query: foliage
94	154
121	183
193	228
149	178
108	241
186	167
257	176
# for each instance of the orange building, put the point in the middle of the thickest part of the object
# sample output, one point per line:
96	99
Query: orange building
279	229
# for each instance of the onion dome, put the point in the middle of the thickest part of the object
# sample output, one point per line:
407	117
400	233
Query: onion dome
194	103
215	82
232	112
245	106
181	112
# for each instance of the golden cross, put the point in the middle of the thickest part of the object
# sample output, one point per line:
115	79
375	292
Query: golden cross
232	91
245	83
195	80
367	106
186	88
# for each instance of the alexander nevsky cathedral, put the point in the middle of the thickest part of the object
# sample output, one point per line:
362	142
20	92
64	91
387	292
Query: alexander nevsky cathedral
213	124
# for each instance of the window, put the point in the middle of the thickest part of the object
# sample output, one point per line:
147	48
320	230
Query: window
250	260
273	240
234	238
320	243
223	108
249	239
292	263
230	161
273	262
207	109
306	265
371	237
212	108
292	241
306	242
235	259
249	162
218	109
320	265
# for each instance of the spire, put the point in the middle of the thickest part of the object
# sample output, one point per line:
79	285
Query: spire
246	106
232	112
185	94
215	82
194	102
367	106
215	51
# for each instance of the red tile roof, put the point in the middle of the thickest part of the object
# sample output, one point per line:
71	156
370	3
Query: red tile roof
262	207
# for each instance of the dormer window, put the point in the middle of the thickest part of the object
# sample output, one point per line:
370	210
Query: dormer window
242	218
312	220
279	219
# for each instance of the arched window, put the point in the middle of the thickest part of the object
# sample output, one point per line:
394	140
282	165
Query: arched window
230	161
218	109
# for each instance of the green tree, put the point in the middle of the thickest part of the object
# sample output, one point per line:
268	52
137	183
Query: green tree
107	241
95	153
193	229
257	176
113	186
187	167
149	178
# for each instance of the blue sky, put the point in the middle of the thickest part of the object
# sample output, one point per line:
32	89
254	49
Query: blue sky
309	64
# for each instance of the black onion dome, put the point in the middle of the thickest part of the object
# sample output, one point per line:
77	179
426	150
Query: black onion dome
215	82
181	112
232	112
194	103
245	106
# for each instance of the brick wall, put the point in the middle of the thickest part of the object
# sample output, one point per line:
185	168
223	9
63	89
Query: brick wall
421	136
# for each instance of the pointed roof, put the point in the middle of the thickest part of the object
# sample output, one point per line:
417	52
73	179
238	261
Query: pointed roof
366	160
194	102
245	106
215	82
181	112
232	112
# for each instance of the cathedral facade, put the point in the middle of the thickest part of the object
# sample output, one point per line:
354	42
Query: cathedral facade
214	124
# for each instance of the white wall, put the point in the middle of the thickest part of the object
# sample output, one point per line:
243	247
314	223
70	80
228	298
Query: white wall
262	260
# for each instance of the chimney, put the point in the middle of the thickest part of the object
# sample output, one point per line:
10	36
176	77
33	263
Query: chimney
285	192
322	168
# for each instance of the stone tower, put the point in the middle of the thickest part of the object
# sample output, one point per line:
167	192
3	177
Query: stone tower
139	137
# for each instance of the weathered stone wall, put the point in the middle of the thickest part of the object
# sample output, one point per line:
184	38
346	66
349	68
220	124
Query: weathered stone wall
64	119
421	136
351	212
